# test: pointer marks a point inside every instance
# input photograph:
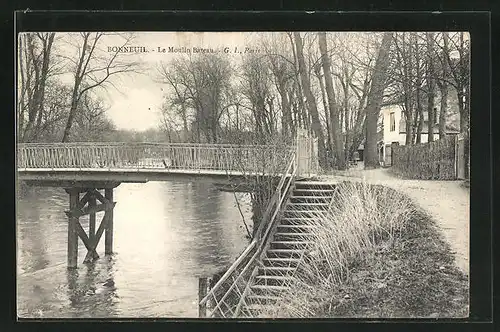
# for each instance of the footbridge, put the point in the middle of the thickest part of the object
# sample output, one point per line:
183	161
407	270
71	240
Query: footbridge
90	171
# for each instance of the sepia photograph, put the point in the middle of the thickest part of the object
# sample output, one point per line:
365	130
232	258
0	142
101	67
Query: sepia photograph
299	174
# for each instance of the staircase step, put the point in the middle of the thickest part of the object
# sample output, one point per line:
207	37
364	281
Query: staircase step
286	251
298	218
314	190
275	280
294	234
287	244
269	288
277	269
292	242
278	259
282	278
296	226
307	209
278	253
304	211
305	199
302	195
308	204
315	183
262	298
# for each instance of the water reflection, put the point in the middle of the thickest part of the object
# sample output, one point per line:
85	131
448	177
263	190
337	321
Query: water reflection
93	294
166	235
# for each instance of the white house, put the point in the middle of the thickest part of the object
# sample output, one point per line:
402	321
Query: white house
392	129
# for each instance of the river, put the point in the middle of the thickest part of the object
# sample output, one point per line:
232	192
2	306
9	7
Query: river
166	235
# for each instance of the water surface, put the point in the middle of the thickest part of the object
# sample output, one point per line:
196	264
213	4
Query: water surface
166	235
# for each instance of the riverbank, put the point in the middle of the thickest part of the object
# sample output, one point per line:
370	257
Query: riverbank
391	262
445	202
413	277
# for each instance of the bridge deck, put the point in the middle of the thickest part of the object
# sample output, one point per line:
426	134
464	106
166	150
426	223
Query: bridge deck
54	163
59	176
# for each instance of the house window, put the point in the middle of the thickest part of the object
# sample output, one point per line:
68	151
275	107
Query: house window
392	121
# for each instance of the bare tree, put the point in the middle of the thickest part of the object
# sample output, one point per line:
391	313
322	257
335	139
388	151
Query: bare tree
442	83
256	87
283	72
91	121
332	103
34	70
311	102
201	85
374	100
459	72
92	69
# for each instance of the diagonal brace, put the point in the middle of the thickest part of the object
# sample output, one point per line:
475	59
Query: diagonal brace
93	245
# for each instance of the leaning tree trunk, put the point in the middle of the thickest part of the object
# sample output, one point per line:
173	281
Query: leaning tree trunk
311	103
332	103
374	101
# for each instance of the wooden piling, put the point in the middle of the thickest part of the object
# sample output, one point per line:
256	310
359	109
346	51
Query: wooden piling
202	292
108	237
74	198
92	202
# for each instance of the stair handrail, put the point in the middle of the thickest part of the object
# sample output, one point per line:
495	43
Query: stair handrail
259	238
280	197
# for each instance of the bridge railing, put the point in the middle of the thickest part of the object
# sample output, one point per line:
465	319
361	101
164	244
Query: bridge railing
248	158
228	295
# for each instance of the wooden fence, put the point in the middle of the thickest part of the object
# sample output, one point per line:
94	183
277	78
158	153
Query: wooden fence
443	159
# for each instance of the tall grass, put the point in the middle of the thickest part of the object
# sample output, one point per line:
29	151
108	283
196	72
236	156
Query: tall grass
359	218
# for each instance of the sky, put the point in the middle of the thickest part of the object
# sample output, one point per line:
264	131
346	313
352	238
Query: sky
135	102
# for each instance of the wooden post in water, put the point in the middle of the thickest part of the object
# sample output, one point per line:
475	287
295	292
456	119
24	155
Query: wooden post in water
108	237
74	198
92	205
202	292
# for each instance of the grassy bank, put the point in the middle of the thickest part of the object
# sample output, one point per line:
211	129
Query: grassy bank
375	256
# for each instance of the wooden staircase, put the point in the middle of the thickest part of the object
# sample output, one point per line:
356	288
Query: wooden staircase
286	246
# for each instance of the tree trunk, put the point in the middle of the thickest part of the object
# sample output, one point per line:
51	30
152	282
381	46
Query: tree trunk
332	103
286	120
311	103
462	112
21	90
420	125
419	79
329	143
443	108
345	86
409	130
374	101
431	87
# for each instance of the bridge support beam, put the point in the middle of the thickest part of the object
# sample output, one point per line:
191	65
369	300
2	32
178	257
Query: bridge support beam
88	205
108	238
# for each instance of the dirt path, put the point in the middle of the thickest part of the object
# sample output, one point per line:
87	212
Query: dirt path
447	202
